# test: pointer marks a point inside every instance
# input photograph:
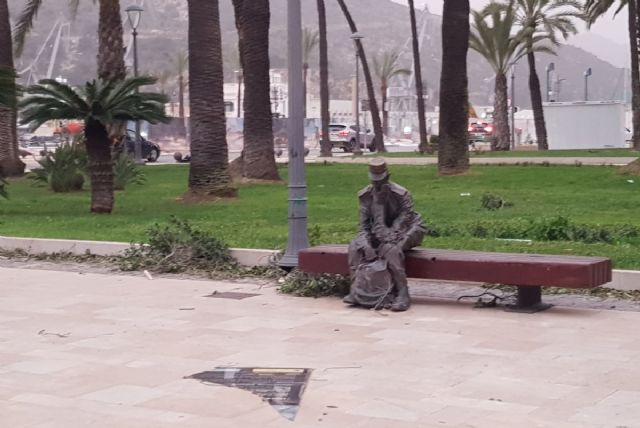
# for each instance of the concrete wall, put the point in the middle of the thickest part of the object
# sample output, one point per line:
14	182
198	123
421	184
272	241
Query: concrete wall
585	125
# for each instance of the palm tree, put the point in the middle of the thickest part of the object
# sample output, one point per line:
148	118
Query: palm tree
325	142
7	87
496	43
10	163
7	100
453	142
417	70
209	166
99	104
594	9
253	19
110	44
386	67
182	66
547	18
163	80
310	40
378	140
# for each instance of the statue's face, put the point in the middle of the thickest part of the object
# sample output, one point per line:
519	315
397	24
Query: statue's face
381	185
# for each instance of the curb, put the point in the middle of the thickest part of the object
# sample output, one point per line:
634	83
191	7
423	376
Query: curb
247	257
627	280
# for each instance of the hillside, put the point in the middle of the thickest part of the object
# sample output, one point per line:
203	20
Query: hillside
385	25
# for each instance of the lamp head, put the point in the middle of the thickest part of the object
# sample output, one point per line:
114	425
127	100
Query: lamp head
134	13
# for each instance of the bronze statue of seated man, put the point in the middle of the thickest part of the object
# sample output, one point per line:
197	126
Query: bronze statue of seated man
389	226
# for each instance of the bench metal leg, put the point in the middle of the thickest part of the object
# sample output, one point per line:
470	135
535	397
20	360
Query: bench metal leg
529	301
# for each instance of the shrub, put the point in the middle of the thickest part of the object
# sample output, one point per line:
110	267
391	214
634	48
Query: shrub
305	285
125	171
557	228
63	170
178	247
493	202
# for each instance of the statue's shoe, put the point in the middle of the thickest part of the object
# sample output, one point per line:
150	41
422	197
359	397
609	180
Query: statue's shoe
349	300
400	306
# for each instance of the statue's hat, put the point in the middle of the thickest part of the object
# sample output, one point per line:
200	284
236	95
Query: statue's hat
378	169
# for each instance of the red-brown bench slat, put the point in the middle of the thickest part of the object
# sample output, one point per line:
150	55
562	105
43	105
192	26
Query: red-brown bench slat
522	270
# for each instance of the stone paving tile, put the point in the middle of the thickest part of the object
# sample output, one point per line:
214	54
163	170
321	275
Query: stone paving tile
97	350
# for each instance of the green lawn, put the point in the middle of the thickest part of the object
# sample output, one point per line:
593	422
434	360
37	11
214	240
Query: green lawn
587	153
258	219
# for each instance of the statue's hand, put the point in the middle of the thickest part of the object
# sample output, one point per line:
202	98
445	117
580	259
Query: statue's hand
382	233
370	253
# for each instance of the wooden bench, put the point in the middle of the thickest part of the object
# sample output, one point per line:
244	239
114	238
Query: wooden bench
528	272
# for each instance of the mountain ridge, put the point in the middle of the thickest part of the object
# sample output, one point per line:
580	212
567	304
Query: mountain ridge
163	33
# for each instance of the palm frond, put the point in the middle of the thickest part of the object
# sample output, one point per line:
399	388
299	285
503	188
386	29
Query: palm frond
493	36
182	62
310	40
121	89
63	91
594	9
387	65
24	24
107	103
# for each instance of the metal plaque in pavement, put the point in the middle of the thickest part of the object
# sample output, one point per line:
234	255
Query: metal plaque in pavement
282	388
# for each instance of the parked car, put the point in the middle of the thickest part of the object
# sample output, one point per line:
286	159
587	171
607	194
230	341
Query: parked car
150	150
481	132
343	136
38	145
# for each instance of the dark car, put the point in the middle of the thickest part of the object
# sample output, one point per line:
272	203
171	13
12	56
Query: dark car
150	150
481	132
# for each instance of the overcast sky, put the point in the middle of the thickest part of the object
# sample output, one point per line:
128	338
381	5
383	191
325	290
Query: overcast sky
615	30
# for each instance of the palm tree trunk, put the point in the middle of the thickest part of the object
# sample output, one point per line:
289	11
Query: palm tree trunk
501	114
209	166
305	73
385	113
10	163
536	104
111	55
378	140
634	29
100	167
325	142
423	146
453	143
110	45
181	97
259	160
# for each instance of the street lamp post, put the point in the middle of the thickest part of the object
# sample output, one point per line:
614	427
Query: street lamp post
558	86
550	68
587	73
356	37
513	107
134	13
298	238
239	78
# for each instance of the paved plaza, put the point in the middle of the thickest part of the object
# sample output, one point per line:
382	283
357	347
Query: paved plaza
101	350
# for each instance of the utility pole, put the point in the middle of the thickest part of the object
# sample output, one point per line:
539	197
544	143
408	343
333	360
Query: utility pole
298	237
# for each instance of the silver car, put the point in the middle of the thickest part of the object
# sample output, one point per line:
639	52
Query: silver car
343	136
